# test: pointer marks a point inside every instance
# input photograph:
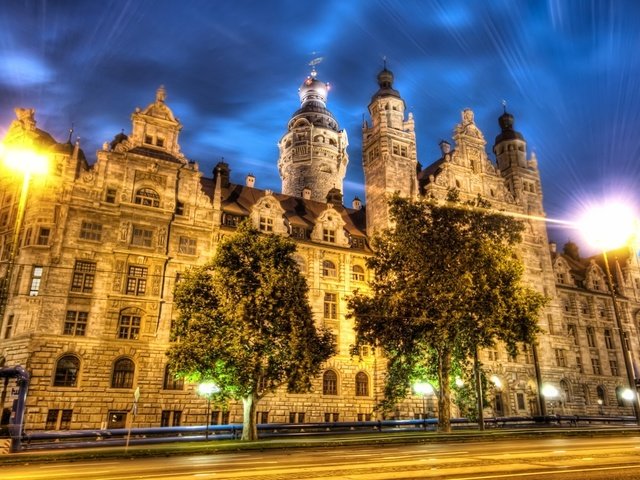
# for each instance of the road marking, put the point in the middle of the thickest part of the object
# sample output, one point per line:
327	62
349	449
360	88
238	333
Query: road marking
546	472
79	465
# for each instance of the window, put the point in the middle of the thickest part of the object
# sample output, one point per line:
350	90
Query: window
36	280
584	308
43	236
357	243
331	417
110	196
148	139
91	231
8	327
591	337
75	323
527	353
565	391
187	246
595	365
560	277
180	210
330	306
329	269
262	417
116	419
66	374
58	419
601	394
231	220
573	334
364	417
329	383
148	197
219	418
123	370
142	237
160	142
357	273
608	340
136	280
328	235
296	417
266	224
492	355
613	365
170	418
299	232
170	381
579	366
625	337
83	276
520	401
561	360
362	384
27	237
129	327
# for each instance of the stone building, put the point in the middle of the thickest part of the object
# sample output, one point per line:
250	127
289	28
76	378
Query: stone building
87	305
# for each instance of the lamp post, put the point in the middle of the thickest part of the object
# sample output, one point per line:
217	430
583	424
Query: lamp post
609	227
207	390
424	389
28	162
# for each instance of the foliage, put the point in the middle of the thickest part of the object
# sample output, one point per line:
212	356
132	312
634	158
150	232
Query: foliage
447	281
245	322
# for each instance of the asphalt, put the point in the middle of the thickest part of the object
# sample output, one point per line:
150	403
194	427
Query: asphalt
210	447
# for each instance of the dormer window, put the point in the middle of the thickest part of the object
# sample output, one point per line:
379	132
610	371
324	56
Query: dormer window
266	224
160	142
148	197
328	235
148	139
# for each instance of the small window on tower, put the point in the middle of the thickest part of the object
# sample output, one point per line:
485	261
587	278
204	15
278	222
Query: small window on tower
148	139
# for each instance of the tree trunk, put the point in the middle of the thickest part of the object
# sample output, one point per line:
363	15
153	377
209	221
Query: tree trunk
478	385
444	397
249	424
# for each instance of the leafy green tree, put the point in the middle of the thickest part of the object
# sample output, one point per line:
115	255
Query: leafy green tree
245	323
447	281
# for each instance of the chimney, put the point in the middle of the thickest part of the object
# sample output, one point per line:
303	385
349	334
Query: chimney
334	196
553	247
357	204
306	193
250	180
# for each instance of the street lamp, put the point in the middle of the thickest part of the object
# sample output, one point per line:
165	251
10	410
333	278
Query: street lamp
424	389
207	390
550	393
26	161
609	227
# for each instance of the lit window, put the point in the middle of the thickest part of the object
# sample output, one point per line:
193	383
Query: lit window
136	280
329	383
330	306
329	269
36	280
142	237
75	323
148	197
83	276
328	235
66	374
187	246
123	370
357	273
362	384
601	394
43	236
129	327
116	419
91	231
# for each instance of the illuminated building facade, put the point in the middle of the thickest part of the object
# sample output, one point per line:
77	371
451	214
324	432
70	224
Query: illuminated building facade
89	309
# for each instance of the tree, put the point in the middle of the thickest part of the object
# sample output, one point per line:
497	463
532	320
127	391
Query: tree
245	323
447	281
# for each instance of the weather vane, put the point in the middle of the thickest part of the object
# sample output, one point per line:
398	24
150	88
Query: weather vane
313	63
504	106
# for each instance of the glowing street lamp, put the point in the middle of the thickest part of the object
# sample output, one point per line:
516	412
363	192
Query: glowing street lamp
207	390
609	227
550	393
424	389
28	162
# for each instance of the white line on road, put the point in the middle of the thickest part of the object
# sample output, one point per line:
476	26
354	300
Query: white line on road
546	472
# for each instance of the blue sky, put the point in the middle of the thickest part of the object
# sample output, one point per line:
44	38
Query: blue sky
568	69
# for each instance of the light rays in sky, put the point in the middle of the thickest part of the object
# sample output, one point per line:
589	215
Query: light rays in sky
568	70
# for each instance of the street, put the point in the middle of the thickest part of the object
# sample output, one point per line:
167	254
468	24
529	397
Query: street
557	458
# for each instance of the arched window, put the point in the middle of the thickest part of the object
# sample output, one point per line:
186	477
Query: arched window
357	273
148	197
170	380
586	394
329	383
67	368
564	391
329	269
362	384
602	395
123	370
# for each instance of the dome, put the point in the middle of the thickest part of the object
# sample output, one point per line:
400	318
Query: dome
119	138
313	103
508	133
313	90
385	81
